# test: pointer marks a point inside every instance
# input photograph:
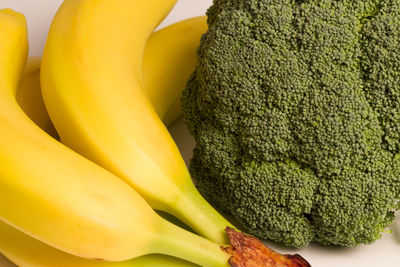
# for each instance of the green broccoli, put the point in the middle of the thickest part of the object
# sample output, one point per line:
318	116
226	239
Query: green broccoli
295	108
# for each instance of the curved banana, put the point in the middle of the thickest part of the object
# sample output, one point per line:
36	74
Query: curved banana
26	251
175	47
93	89
64	200
29	97
169	59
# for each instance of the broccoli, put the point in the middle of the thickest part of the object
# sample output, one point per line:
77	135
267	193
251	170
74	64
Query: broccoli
295	109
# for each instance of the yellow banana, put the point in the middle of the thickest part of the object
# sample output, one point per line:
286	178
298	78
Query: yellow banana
93	89
29	97
169	58
175	47
64	200
26	251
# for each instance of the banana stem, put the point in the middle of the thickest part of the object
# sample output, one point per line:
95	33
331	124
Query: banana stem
183	244
196	212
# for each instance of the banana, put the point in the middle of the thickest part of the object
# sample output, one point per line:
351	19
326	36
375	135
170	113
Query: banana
176	43
92	85
29	97
26	251
58	197
169	59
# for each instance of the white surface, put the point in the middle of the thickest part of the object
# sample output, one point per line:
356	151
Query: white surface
385	252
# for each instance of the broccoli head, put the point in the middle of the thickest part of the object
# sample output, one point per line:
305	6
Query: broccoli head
295	108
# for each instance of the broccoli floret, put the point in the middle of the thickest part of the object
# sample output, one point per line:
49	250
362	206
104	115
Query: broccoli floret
295	108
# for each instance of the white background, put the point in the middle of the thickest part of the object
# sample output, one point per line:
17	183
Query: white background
385	252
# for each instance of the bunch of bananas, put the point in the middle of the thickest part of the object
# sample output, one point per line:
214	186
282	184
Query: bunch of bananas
110	85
